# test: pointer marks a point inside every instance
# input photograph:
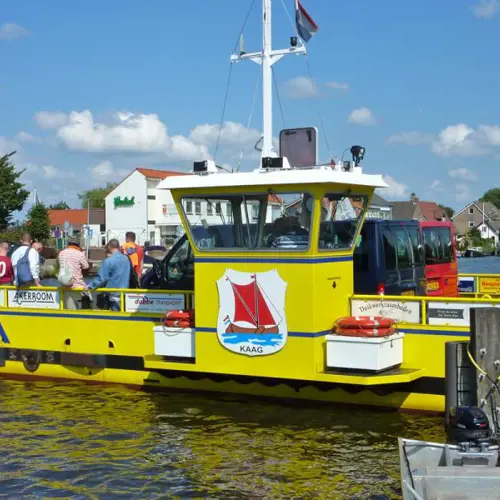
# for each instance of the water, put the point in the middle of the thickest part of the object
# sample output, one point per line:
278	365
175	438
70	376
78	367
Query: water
479	265
81	441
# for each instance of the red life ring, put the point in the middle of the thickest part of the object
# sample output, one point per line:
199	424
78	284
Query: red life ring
179	318
364	322
366	332
177	323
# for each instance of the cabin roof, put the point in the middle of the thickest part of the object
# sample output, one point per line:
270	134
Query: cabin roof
282	177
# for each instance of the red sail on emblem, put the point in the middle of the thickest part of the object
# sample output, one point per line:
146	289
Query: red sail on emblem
251	307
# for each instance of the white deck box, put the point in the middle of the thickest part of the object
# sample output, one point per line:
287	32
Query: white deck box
174	342
364	353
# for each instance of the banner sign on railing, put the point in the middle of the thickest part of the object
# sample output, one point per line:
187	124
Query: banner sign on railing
153	302
33	299
2	299
407	312
466	284
452	313
490	285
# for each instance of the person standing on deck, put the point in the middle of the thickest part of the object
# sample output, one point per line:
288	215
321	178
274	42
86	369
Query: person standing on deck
134	251
6	269
26	263
73	258
113	273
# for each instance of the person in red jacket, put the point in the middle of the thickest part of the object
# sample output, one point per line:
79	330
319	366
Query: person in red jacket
6	269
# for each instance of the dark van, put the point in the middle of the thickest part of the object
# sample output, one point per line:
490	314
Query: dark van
389	258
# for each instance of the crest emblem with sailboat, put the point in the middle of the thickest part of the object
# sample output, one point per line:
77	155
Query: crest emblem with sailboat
252	317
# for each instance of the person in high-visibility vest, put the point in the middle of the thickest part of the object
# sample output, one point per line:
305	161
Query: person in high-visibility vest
134	251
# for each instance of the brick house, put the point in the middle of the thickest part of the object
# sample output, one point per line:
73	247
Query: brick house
483	216
418	210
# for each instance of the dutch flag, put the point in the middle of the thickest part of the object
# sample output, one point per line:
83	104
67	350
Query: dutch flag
306	27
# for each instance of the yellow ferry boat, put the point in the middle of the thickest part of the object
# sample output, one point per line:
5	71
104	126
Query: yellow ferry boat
265	299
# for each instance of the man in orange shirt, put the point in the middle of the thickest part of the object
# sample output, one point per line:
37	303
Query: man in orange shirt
134	252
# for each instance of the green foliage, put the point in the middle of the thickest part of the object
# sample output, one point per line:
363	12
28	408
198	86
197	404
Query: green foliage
12	235
37	222
96	196
62	205
12	192
493	196
448	211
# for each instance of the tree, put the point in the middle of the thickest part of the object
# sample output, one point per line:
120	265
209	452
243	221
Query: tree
12	192
96	196
448	211
493	196
38	223
62	205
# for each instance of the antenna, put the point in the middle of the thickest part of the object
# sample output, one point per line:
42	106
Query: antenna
242	45
266	58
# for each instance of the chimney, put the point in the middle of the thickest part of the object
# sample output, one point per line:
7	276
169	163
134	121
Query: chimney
414	198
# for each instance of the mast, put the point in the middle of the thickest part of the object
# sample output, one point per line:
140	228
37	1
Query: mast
267	57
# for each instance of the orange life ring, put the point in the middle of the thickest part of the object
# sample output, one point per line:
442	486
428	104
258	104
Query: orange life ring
364	322
366	332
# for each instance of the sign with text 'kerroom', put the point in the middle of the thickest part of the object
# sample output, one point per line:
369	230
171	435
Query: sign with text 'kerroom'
33	299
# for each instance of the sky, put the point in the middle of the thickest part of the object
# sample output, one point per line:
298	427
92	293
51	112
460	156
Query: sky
91	90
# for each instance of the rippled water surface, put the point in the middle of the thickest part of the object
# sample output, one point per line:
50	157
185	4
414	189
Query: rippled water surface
80	441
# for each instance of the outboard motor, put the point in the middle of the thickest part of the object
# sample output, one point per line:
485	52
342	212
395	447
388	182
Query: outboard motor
467	423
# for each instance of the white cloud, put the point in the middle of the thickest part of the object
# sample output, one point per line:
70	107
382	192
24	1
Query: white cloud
130	133
436	185
106	172
337	85
362	116
462	173
12	31
23	136
7	146
486	8
396	190
459	140
300	87
51	119
232	134
462	192
409	138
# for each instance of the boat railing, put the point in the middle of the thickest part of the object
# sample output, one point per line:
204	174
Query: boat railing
132	301
479	285
418	310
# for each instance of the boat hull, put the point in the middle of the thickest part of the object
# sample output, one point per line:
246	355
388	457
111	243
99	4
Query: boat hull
118	348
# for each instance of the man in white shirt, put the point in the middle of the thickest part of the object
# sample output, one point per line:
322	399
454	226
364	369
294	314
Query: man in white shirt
26	263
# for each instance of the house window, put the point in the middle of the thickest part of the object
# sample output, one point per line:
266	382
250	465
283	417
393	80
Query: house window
189	207
483	229
228	209
151	197
471	223
218	210
471	210
210	209
197	207
152	222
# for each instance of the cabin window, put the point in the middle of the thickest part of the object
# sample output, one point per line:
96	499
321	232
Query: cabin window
254	221
340	219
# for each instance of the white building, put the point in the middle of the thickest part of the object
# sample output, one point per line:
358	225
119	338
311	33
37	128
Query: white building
137	205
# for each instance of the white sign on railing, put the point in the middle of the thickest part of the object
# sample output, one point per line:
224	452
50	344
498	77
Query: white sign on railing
452	313
2	298
407	312
153	302
33	299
